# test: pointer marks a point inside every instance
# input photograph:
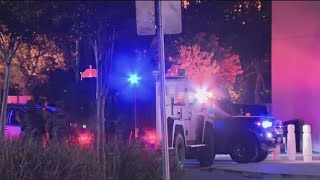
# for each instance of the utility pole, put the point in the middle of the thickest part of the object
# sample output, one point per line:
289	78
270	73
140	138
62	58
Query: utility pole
162	70
135	114
165	15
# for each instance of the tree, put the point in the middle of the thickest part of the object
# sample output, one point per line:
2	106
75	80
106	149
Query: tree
38	60
33	62
16	81
246	12
18	21
256	73
97	22
206	61
197	64
70	46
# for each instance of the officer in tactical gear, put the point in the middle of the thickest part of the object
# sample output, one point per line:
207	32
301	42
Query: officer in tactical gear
57	123
26	123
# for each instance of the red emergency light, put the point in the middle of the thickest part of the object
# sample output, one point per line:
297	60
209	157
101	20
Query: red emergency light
89	73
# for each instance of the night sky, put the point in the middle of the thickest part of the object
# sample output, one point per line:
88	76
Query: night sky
243	25
249	40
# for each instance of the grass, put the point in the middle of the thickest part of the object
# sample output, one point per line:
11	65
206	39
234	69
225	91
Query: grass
25	159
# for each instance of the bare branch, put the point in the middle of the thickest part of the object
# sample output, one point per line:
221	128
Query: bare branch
34	57
250	74
101	45
75	21
16	46
108	67
96	53
35	66
11	48
23	70
249	66
2	44
112	46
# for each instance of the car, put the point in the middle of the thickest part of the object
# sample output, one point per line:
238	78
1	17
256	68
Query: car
16	112
247	133
74	132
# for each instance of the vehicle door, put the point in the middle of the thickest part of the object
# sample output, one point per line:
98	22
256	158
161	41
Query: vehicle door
189	115
14	117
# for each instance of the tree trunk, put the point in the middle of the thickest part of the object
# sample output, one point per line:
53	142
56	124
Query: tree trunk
100	109
76	67
103	50
258	89
5	98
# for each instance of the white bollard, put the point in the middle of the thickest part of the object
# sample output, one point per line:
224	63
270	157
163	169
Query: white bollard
291	143
276	153
307	144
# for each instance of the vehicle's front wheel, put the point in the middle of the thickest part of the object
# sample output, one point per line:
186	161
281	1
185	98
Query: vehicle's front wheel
179	152
244	151
262	155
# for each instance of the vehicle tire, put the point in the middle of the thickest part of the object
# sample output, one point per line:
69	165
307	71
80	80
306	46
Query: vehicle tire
179	152
207	155
244	151
262	155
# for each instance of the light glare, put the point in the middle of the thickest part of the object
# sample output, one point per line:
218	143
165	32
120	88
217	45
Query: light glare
134	79
203	95
266	124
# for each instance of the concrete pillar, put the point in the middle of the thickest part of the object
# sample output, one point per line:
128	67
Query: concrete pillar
291	143
307	144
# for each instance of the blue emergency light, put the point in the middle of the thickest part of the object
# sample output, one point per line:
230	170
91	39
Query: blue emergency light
134	79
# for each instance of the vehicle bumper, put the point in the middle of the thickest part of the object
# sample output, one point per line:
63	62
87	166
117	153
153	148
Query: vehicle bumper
270	142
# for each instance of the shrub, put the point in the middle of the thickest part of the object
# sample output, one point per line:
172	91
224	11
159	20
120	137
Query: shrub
24	159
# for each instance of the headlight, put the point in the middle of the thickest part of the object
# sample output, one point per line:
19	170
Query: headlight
265	124
203	95
269	135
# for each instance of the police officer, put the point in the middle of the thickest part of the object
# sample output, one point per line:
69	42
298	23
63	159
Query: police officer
40	123
57	123
29	118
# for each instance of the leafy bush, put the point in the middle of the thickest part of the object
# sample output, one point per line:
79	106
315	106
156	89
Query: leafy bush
28	160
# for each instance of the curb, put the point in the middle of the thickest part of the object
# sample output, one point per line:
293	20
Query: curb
251	174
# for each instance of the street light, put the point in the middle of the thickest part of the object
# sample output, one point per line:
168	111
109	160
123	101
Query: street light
134	80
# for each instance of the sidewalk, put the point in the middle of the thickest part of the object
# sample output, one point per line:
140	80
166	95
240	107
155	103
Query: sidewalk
272	169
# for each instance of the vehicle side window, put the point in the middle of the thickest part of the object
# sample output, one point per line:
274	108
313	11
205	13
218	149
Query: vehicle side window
181	97
14	117
8	116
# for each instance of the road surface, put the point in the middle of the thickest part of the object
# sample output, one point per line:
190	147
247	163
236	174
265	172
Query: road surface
224	168
196	174
193	172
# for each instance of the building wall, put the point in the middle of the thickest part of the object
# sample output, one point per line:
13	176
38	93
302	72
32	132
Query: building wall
296	63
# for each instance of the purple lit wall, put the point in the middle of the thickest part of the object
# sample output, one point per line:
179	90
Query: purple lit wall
296	63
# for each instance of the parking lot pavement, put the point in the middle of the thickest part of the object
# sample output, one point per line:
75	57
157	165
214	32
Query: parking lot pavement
194	174
270	169
224	168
